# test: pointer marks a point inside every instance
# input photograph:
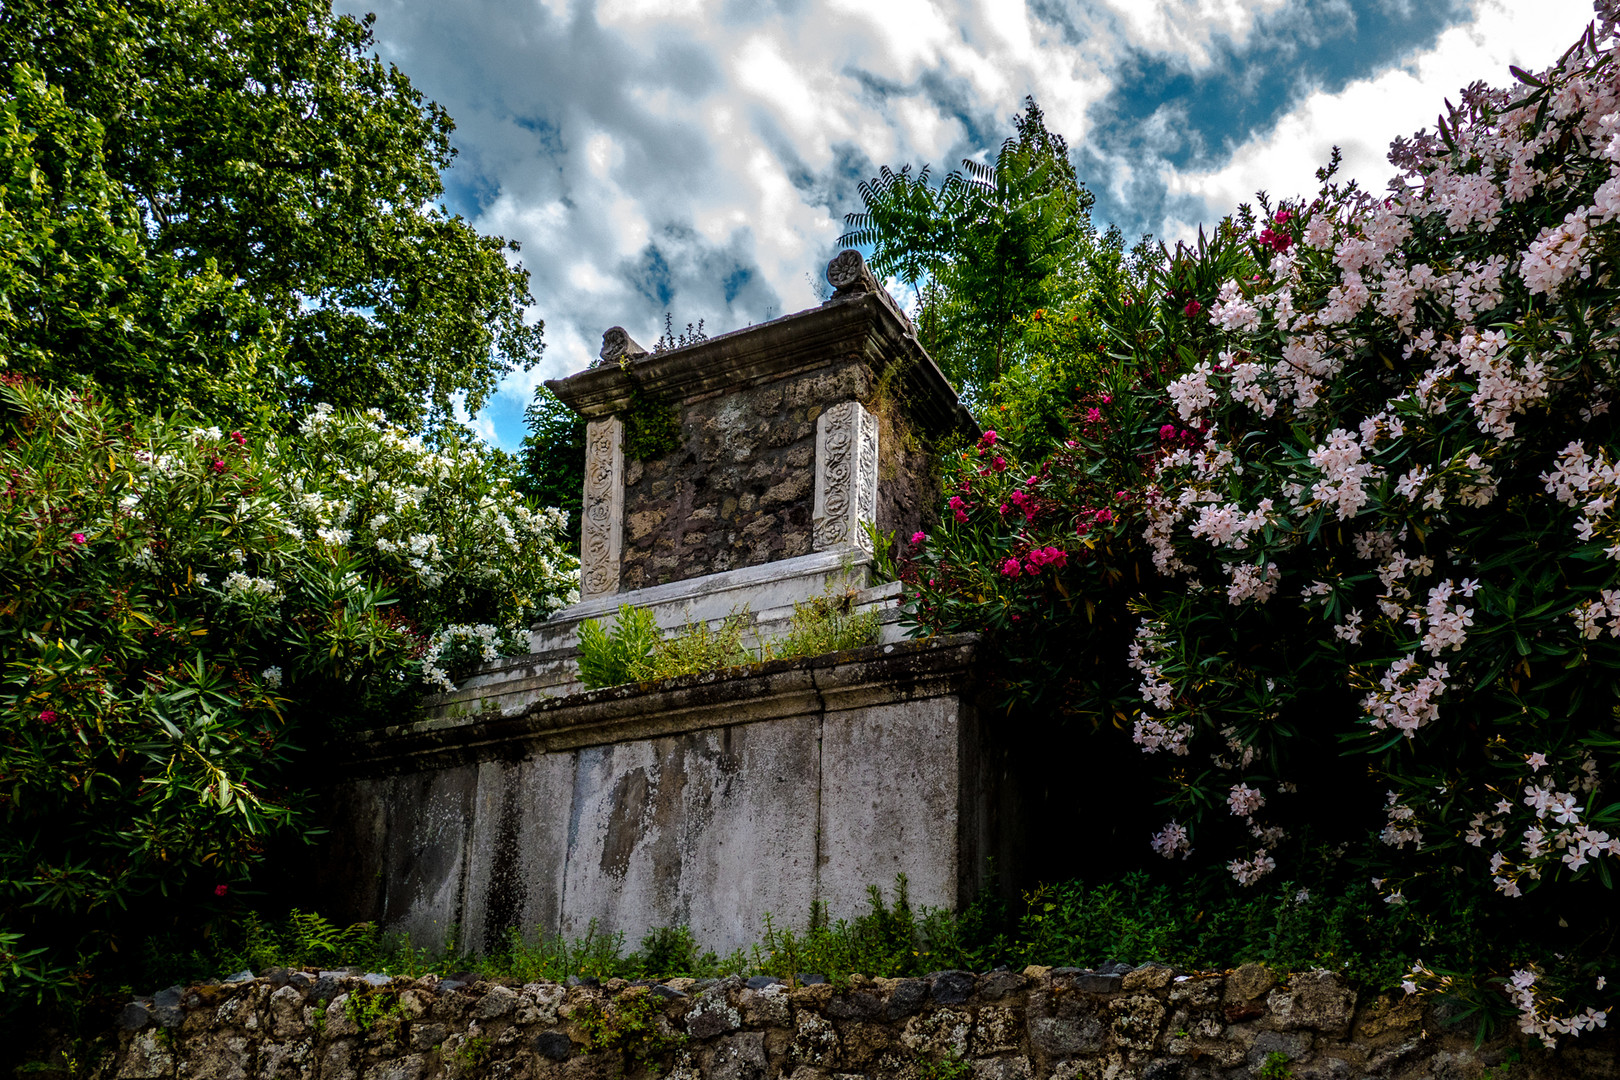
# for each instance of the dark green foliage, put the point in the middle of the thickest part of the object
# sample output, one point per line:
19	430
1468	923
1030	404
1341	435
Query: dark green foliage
82	292
986	249
610	657
652	428
261	145
552	459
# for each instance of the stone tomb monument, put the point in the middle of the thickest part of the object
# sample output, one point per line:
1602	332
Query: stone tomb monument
523	801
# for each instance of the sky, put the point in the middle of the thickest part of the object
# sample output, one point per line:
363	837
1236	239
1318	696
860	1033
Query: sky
697	157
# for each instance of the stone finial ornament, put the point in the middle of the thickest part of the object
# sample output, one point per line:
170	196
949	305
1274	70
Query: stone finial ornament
848	274
617	344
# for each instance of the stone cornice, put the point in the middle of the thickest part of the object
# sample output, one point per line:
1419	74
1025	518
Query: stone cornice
904	671
862	325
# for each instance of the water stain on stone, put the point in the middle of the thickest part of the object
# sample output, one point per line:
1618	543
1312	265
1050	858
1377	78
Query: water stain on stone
629	802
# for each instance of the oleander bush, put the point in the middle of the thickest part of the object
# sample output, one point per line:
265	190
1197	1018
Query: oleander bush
184	609
1334	542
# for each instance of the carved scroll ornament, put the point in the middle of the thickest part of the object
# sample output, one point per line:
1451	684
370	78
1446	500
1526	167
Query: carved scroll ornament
846	476
602	529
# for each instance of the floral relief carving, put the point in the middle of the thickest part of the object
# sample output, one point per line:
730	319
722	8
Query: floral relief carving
846	475
601	531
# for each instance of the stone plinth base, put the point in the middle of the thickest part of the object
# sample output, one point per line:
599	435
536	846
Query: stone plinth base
705	801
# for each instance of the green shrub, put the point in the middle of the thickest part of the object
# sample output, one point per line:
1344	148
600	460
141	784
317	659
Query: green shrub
633	651
697	647
1334	544
187	608
611	657
825	624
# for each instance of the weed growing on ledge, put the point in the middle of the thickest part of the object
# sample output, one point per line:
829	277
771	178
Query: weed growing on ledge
633	651
629	1029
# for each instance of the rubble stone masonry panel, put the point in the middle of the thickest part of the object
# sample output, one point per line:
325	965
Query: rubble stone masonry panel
739	490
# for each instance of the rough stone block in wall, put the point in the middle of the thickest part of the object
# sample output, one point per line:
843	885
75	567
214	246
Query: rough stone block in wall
1044	1024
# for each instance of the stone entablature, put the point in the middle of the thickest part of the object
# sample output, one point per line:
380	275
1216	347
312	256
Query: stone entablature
766	414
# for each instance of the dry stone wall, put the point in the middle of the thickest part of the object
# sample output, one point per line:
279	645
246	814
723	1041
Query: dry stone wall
1042	1024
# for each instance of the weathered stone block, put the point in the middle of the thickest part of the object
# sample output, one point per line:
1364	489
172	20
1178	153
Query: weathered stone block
998	984
286	1013
950	987
942	1031
739	1057
766	1007
712	1015
907	997
1317	1000
862	1043
1198	993
1148	977
497	1001
859	1005
997	1029
1249	982
553	1046
1137	1021
1008	1068
815	1040
1293	1044
1066	1038
219	1055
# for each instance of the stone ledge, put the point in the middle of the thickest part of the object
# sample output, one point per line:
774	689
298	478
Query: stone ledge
830	683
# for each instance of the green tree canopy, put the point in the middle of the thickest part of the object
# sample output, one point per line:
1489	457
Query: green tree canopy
261	156
986	248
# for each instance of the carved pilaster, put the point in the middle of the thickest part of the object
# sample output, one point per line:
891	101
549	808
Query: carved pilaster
602	530
846	475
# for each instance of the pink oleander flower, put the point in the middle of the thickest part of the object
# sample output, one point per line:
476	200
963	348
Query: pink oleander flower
238	438
79	540
1104	516
961	515
218	465
917	538
998	463
1282	216
1107	399
221	890
47	716
1167	432
1011	568
955	502
1193	307
1046	556
1536	762
988	439
1093	415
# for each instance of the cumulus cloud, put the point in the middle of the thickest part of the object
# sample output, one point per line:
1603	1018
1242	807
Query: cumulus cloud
698	156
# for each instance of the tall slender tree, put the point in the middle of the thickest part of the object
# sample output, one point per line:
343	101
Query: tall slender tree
987	246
